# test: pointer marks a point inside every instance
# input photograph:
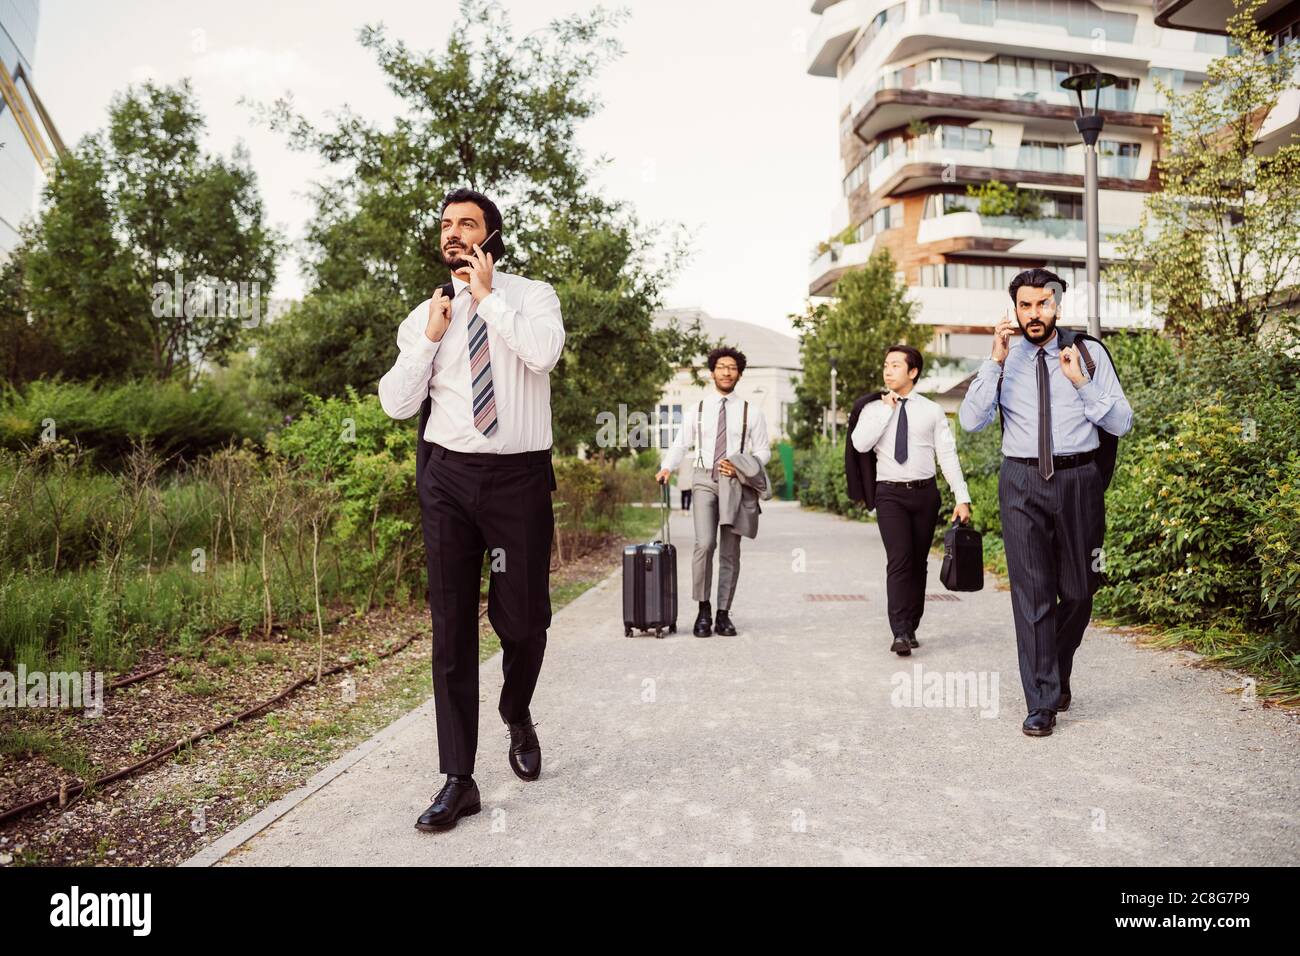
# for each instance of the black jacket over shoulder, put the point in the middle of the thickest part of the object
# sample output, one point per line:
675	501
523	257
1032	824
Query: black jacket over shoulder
860	466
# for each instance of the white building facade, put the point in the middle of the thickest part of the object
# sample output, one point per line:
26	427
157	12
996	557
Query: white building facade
940	95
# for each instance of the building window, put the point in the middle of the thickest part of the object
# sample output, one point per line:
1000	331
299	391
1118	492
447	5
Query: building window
1079	18
963	137
1117	159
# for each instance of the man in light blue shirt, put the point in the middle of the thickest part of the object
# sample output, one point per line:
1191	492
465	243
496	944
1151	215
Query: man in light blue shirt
1050	490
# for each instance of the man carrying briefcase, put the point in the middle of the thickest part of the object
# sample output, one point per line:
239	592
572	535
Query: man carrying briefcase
904	431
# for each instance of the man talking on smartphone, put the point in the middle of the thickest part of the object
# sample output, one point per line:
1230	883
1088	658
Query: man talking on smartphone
474	360
1050	488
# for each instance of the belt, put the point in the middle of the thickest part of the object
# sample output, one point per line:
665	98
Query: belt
1061	461
489	458
918	483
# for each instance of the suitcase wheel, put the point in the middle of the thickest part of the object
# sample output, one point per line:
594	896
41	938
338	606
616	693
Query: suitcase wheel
672	628
627	632
659	632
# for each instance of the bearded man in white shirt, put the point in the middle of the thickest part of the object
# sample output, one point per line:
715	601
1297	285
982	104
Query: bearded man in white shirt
907	431
719	425
474	360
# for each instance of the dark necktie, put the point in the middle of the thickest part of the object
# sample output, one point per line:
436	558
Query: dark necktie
720	443
1045	466
900	436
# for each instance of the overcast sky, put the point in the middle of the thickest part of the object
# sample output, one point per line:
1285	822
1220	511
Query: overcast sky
709	117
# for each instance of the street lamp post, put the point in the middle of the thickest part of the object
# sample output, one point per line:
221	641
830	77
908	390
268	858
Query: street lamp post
1090	126
830	349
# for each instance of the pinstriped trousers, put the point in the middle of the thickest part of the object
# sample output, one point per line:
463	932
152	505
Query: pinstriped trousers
1053	532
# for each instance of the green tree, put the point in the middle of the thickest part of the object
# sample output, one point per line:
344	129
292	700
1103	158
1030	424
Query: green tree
130	211
1218	247
870	313
500	115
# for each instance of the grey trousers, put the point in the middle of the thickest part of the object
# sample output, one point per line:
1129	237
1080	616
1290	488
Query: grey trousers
704	506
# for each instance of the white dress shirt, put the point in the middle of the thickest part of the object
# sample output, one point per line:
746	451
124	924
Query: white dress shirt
928	435
757	442
525	338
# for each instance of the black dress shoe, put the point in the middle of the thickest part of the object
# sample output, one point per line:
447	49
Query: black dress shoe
911	639
901	647
456	799
723	625
525	751
1064	703
704	624
1039	723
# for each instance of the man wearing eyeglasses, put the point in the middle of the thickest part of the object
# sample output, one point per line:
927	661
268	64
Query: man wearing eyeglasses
719	426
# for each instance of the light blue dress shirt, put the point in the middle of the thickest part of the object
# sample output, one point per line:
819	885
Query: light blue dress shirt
1097	402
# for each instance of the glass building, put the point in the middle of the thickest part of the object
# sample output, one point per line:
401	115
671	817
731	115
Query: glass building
19	171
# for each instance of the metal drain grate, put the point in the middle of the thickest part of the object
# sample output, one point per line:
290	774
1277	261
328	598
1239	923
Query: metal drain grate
835	597
942	597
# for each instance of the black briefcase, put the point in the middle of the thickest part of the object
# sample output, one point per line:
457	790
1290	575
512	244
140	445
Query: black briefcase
650	583
963	559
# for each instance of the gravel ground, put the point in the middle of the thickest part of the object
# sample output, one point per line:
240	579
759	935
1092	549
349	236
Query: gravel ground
800	741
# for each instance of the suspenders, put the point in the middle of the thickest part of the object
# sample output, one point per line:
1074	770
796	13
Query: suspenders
699	441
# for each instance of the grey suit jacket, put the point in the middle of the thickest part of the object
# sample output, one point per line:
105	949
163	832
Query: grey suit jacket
738	497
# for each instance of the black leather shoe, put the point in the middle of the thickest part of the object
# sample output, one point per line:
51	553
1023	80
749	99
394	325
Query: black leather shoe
456	799
723	625
1064	703
911	639
1039	723
525	751
704	622
900	646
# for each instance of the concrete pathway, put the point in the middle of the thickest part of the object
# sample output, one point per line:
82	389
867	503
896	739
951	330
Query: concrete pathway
803	740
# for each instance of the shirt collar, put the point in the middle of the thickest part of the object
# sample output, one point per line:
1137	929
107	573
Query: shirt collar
459	284
1052	347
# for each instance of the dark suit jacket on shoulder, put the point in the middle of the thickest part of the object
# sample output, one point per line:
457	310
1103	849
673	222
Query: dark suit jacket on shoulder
860	467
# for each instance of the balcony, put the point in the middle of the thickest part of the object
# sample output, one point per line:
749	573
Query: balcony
1206	16
835	30
919	33
874	110
1048	238
924	164
828	267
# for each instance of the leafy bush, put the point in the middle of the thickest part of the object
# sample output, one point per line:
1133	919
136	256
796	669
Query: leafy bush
108	419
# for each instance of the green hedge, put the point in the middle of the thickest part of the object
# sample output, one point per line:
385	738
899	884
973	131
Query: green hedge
106	420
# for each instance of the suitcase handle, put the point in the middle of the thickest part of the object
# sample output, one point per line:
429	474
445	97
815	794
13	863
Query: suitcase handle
664	514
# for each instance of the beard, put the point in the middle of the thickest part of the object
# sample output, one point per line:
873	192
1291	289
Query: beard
1049	327
453	260
726	389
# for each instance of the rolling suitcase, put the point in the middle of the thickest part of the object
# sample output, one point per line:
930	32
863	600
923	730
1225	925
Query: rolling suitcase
650	583
963	559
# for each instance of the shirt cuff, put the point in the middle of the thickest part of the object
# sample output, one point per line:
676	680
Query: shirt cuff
492	306
1088	391
990	369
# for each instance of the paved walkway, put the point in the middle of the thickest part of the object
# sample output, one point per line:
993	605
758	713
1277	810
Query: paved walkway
788	743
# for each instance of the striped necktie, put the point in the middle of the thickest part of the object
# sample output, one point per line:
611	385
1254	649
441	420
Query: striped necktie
480	372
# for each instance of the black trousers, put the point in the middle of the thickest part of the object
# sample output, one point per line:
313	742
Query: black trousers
1053	532
907	518
501	505
686	499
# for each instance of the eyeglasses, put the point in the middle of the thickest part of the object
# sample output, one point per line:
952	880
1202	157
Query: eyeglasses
726	368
